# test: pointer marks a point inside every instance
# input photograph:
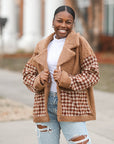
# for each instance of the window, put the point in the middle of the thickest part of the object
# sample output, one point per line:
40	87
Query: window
109	17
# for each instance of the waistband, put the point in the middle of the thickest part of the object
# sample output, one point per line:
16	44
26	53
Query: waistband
53	93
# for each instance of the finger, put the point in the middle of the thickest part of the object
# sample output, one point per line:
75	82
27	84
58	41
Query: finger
45	77
55	77
55	74
56	71
46	71
42	81
46	74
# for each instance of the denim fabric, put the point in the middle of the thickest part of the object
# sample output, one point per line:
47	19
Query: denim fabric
49	132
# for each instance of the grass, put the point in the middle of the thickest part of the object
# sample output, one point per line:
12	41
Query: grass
106	82
1	97
14	64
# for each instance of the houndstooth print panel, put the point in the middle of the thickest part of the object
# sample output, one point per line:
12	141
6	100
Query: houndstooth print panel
74	103
89	75
29	75
39	105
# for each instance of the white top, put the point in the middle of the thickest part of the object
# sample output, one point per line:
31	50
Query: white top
54	50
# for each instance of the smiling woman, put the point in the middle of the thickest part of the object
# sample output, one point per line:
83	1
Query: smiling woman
61	73
63	21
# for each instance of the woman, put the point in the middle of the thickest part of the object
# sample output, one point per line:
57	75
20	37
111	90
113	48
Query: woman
61	73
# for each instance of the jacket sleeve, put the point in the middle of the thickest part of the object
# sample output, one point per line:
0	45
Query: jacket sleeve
89	74
31	77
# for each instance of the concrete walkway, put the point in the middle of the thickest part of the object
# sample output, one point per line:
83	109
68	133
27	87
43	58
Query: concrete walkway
101	131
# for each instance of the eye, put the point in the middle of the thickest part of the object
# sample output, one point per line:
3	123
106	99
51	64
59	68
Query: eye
60	21
68	22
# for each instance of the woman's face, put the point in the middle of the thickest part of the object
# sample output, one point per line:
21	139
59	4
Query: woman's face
63	24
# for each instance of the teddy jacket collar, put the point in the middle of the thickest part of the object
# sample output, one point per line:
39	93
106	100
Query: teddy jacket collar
71	42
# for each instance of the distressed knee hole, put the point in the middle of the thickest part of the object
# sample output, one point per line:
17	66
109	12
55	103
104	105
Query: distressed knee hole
43	128
83	139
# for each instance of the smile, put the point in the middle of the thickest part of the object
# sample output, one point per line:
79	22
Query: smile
62	31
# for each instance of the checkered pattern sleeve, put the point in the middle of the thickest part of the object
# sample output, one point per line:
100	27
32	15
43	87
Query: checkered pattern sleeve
89	74
29	76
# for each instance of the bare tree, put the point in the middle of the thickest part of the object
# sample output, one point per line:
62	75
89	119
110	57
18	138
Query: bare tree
92	30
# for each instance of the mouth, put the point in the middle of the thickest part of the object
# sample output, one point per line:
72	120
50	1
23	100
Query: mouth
62	31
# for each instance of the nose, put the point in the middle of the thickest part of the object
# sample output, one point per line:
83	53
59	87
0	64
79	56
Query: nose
63	24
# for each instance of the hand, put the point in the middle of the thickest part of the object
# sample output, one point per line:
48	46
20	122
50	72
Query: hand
57	74
44	75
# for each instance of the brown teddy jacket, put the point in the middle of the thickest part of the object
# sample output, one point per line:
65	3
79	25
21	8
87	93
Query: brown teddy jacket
75	89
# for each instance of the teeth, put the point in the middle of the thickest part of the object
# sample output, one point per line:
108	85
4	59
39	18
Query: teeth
62	31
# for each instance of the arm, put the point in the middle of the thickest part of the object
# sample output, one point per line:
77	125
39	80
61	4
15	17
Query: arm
31	78
89	74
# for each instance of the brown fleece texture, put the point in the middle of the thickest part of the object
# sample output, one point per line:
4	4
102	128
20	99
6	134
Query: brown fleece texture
74	90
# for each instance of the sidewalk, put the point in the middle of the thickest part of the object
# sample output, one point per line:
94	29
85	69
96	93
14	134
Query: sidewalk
101	131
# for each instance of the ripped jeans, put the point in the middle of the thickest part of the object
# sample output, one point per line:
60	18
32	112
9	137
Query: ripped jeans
49	132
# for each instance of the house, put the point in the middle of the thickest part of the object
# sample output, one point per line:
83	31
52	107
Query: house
28	21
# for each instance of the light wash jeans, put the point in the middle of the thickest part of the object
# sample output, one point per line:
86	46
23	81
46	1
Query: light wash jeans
49	132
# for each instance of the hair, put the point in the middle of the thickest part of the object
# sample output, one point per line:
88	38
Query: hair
65	8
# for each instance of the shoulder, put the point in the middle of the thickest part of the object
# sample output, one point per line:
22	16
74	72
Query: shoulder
43	42
84	44
74	35
85	48
78	40
82	39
